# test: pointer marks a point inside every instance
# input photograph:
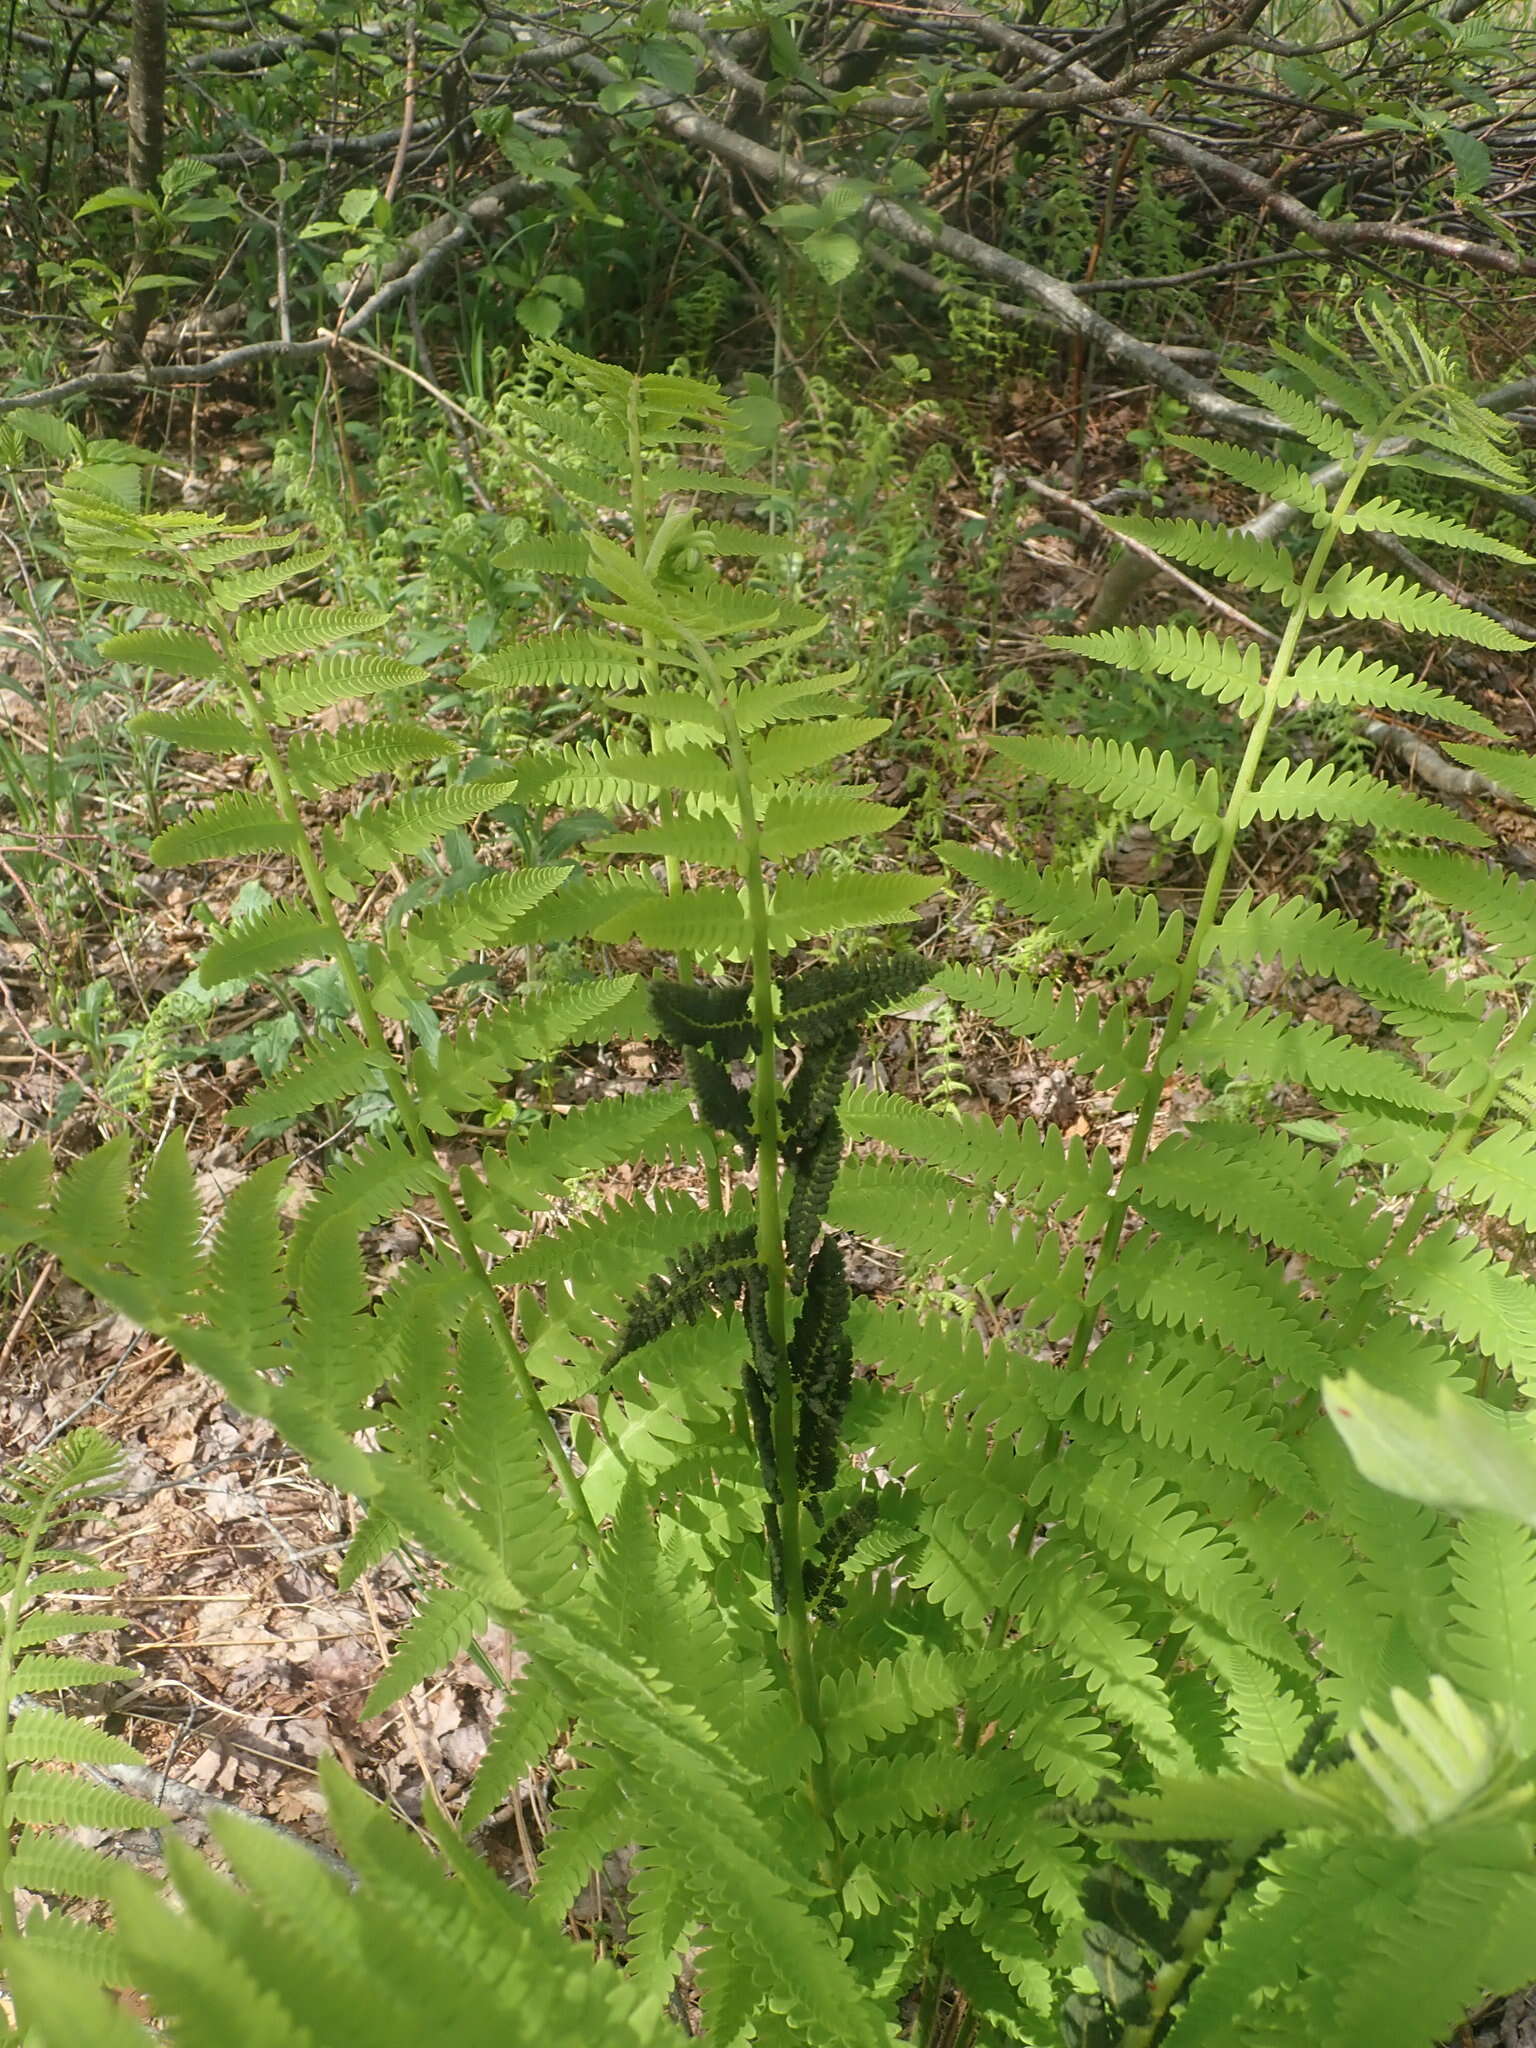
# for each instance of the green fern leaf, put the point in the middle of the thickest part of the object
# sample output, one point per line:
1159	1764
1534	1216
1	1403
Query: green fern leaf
1493	1644
1133	1517
43	1735
445	1622
1264	1184
1498	1175
527	1728
1230	672
1261	474
1239	557
1189	1398
710	841
443	935
1116	1044
1276	1048
293	629
1503	908
172	650
1510	771
1324	942
790	751
799	822
333	679
1026	1164
1331	437
604	777
466	1069
1472	1294
273	939
324	761
1150	786
236	544
246	1289
1222	1295
1372	594
44	1674
205	730
710	920
561	554
823	904
234	824
388	832
1122	926
1339	675
330	1069
162	1241
1382	515
573	660
234	593
1305	789
51	1799
51	1863
1066	1607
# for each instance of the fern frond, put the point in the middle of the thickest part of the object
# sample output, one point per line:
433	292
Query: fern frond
203	730
1275	1048
1169	797
1116	1044
1499	904
1471	1293
389	832
1509	770
1372	594
526	1730
1339	675
1217	667
171	649
1330	437
292	629
823	904
1299	934
273	939
710	920
1267	1185
1188	1397
1262	474
1493	1646
1227	1294
321	761
234	593
1137	1519
1119	925
234	824
1239	557
466	1069
330	1069
796	822
787	751
1499	1174
1305	789
576	659
1027	1164
1383	515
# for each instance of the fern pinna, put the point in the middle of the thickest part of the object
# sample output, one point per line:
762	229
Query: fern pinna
1036	1668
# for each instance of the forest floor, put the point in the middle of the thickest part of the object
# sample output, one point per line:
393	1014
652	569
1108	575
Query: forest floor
252	1663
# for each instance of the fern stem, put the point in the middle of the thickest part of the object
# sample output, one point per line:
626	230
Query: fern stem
795	1621
1193	1933
416	1136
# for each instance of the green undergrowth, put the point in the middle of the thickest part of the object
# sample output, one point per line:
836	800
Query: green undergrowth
1119	1633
